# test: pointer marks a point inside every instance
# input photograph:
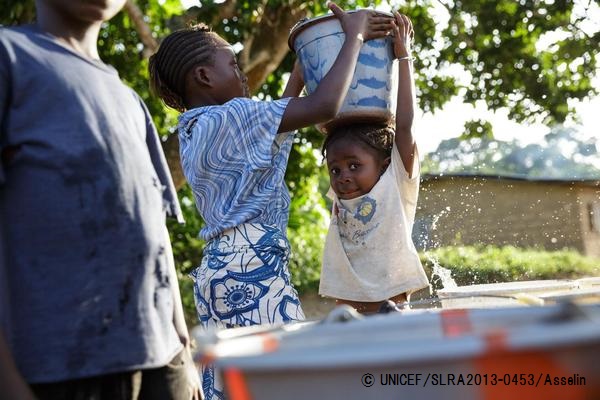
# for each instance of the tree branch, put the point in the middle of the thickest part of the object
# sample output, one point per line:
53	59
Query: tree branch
227	10
142	28
171	145
267	46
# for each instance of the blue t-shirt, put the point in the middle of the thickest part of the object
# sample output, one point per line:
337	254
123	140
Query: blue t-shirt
84	189
235	163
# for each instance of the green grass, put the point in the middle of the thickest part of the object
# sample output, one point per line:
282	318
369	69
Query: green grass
471	265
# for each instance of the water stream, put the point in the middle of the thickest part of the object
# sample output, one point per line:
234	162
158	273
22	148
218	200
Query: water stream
438	272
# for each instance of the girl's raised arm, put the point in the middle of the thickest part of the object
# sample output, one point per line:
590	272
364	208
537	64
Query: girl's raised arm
403	34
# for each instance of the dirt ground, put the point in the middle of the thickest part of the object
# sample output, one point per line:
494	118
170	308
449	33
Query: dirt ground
317	307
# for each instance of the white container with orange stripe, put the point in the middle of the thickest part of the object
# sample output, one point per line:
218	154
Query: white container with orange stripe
549	352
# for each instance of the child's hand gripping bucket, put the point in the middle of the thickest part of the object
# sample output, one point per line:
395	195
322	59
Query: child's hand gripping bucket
371	97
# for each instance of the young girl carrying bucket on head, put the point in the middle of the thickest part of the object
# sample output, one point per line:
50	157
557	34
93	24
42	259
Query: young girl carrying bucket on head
234	152
369	255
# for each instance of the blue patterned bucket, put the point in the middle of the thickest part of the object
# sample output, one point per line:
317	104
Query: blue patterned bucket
372	94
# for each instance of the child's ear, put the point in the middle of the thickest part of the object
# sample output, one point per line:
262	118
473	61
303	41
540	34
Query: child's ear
201	75
385	164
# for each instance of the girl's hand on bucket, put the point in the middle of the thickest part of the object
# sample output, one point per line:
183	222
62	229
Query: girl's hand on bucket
364	24
403	35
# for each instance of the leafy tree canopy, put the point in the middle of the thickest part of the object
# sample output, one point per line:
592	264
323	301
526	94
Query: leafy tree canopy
497	43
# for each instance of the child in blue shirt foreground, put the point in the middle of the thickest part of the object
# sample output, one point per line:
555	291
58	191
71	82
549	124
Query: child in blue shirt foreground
89	298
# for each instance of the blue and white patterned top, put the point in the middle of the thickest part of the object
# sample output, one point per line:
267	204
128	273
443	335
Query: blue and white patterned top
235	163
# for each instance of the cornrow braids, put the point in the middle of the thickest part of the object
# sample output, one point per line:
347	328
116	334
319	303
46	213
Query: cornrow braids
178	53
379	137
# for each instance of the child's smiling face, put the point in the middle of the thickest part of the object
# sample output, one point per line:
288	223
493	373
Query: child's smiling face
354	168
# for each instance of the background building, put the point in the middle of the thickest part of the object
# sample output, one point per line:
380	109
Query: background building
480	209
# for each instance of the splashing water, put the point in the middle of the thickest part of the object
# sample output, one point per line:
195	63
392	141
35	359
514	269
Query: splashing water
443	274
437	217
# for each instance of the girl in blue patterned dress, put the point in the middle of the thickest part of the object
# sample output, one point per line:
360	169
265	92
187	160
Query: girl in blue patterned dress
234	152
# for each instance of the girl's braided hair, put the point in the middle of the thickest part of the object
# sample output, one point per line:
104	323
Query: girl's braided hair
178	53
379	137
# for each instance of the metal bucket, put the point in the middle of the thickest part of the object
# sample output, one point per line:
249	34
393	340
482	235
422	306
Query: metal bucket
371	97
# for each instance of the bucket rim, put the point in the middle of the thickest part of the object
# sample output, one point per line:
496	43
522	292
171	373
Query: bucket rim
305	22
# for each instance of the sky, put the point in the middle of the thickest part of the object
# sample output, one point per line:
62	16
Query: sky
431	129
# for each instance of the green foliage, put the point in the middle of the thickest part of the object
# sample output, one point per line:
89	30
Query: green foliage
495	41
187	245
17	12
478	129
472	265
307	225
187	250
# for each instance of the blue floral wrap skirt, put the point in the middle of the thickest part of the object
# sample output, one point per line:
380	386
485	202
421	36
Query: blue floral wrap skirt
243	280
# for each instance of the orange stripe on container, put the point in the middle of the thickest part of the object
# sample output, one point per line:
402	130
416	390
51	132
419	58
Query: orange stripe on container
455	322
207	358
236	385
269	343
496	341
522	375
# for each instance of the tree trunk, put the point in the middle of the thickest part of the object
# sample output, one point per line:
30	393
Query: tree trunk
267	47
171	145
141	27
